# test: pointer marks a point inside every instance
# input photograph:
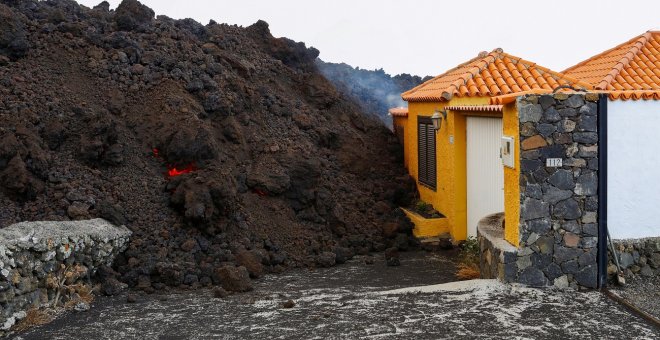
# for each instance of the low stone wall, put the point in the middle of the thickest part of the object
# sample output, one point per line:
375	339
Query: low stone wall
34	255
498	257
636	257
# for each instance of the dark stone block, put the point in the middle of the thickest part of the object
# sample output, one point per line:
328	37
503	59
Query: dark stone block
541	260
530	154
591	203
589	242
533	209
590	229
567	112
553	271
510	272
530	165
588	123
587	184
554	195
540	226
570	267
563	138
586	137
589	108
534	191
574	101
551	115
546	244
568	209
510	257
540	175
587	277
552	151
587	258
562	179
546	129
563	254
532	277
530	113
592	164
528	129
546	102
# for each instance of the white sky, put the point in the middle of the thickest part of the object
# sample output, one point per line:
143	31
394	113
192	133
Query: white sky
426	37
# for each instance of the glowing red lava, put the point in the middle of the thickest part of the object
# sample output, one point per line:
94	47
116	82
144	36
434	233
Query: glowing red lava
173	171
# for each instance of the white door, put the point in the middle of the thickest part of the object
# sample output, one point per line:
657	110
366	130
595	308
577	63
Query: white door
485	174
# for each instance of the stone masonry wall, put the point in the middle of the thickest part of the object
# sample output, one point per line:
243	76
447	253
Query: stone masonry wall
636	257
32	255
497	256
559	206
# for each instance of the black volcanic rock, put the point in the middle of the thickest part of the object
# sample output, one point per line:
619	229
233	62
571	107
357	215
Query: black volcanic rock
131	14
208	142
13	36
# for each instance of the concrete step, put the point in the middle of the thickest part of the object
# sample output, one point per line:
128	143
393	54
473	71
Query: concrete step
442	242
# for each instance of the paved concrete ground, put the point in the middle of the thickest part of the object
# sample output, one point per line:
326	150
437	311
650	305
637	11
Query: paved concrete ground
358	301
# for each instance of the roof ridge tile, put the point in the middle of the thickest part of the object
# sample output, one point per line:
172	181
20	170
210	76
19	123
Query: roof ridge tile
481	63
569	69
624	61
493	74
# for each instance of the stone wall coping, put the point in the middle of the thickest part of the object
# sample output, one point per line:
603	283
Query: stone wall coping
636	240
32	252
36	234
491	228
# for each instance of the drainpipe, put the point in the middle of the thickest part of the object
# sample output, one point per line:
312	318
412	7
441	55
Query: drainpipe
602	190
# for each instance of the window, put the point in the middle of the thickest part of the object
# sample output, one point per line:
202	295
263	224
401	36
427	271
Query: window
426	152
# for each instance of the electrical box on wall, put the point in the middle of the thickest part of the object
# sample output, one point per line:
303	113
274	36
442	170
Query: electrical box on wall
507	151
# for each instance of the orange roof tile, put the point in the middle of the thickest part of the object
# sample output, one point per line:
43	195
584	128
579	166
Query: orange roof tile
631	66
398	111
635	95
488	75
478	108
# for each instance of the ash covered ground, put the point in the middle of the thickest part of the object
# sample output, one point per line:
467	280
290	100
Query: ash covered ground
358	301
221	147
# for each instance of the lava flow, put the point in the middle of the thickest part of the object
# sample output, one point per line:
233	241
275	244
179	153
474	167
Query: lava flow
173	171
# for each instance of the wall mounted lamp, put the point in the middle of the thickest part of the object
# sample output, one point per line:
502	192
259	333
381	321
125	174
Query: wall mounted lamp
437	119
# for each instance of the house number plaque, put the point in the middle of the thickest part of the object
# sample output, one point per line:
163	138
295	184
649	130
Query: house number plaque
553	162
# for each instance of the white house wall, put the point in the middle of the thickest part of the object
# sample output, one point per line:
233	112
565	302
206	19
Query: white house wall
633	206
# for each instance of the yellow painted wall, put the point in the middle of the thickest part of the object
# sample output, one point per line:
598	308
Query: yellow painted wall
512	177
427	227
450	196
